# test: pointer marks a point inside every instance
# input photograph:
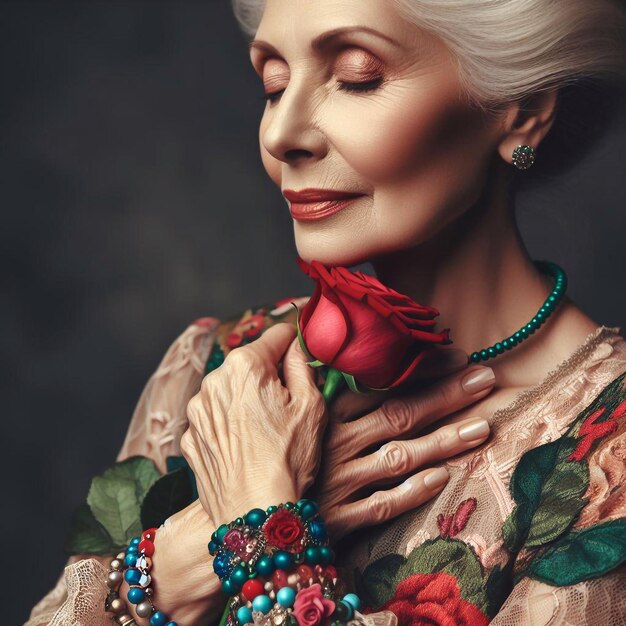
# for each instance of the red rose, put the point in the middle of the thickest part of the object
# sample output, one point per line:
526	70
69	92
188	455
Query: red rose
356	325
282	529
433	599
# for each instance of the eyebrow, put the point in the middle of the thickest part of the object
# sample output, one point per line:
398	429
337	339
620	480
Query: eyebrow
322	40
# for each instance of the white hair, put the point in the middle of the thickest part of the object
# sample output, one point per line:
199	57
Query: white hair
508	50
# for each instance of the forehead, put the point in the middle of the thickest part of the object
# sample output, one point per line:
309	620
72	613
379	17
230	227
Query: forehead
298	22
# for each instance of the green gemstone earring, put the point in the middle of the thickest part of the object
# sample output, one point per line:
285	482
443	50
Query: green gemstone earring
523	157
550	303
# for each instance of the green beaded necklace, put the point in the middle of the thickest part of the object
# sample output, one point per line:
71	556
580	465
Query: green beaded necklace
551	302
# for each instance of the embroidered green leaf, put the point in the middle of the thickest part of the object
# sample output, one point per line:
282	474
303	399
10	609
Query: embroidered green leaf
549	493
561	501
168	495
377	584
498	587
454	557
582	555
87	535
116	495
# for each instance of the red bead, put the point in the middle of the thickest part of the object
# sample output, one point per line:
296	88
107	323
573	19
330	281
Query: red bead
279	578
305	573
146	546
331	572
149	534
252	588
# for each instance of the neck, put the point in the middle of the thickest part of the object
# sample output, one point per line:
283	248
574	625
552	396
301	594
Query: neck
478	274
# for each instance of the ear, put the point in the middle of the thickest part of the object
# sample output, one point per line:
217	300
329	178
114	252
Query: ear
527	122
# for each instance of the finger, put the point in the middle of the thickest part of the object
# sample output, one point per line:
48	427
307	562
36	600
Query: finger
386	504
300	378
404	415
396	458
440	362
273	343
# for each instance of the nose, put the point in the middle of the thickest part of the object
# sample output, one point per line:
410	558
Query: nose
292	132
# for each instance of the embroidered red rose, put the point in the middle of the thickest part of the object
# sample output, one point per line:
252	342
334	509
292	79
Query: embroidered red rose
433	599
374	336
311	608
284	530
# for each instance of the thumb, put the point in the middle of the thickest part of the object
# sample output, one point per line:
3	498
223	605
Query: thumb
271	345
300	378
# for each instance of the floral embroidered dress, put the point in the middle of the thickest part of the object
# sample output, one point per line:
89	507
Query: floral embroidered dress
530	529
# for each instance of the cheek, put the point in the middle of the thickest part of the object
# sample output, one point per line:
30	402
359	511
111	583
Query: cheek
411	129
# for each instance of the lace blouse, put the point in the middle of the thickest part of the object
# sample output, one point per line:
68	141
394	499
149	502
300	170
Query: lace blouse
530	528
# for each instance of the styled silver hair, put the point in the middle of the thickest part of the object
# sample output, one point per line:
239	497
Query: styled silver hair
508	50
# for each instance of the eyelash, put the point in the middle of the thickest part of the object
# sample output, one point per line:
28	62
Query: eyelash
370	85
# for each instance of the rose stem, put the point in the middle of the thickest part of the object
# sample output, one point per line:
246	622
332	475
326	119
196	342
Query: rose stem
332	384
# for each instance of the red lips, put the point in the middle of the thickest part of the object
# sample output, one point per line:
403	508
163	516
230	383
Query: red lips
313	204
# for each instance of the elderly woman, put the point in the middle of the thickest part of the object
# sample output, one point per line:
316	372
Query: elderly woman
479	493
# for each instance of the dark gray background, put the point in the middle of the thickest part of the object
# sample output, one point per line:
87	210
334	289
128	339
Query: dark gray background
133	201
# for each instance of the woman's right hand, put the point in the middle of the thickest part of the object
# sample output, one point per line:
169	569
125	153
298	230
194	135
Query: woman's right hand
354	488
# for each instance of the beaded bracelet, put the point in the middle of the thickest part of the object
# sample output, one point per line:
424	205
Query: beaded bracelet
133	566
277	564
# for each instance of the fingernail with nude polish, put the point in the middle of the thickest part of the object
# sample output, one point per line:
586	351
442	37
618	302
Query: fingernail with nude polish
436	478
474	430
478	380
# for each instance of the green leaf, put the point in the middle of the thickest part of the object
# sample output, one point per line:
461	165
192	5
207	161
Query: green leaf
582	555
377	584
116	495
560	504
87	535
168	495
316	363
548	491
498	587
454	557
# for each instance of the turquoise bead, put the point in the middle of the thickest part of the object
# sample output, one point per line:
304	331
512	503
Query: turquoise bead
172	624
262	603
283	560
158	618
244	615
350	609
483	355
227	587
132	576
130	560
317	530
132	550
512	340
506	344
239	575
289	505
308	509
327	555
239	521
221	532
491	351
524	332
312	555
354	600
265	566
475	357
213	547
552	298
256	517
271	509
135	541
499	348
136	595
286	596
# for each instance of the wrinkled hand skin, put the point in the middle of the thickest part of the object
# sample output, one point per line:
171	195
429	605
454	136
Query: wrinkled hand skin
253	441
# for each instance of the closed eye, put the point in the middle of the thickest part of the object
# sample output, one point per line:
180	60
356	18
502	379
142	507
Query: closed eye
370	85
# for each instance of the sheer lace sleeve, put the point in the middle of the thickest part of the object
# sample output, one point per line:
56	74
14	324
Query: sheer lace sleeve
597	602
155	429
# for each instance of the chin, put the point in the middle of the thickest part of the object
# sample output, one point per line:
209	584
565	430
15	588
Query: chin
330	252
